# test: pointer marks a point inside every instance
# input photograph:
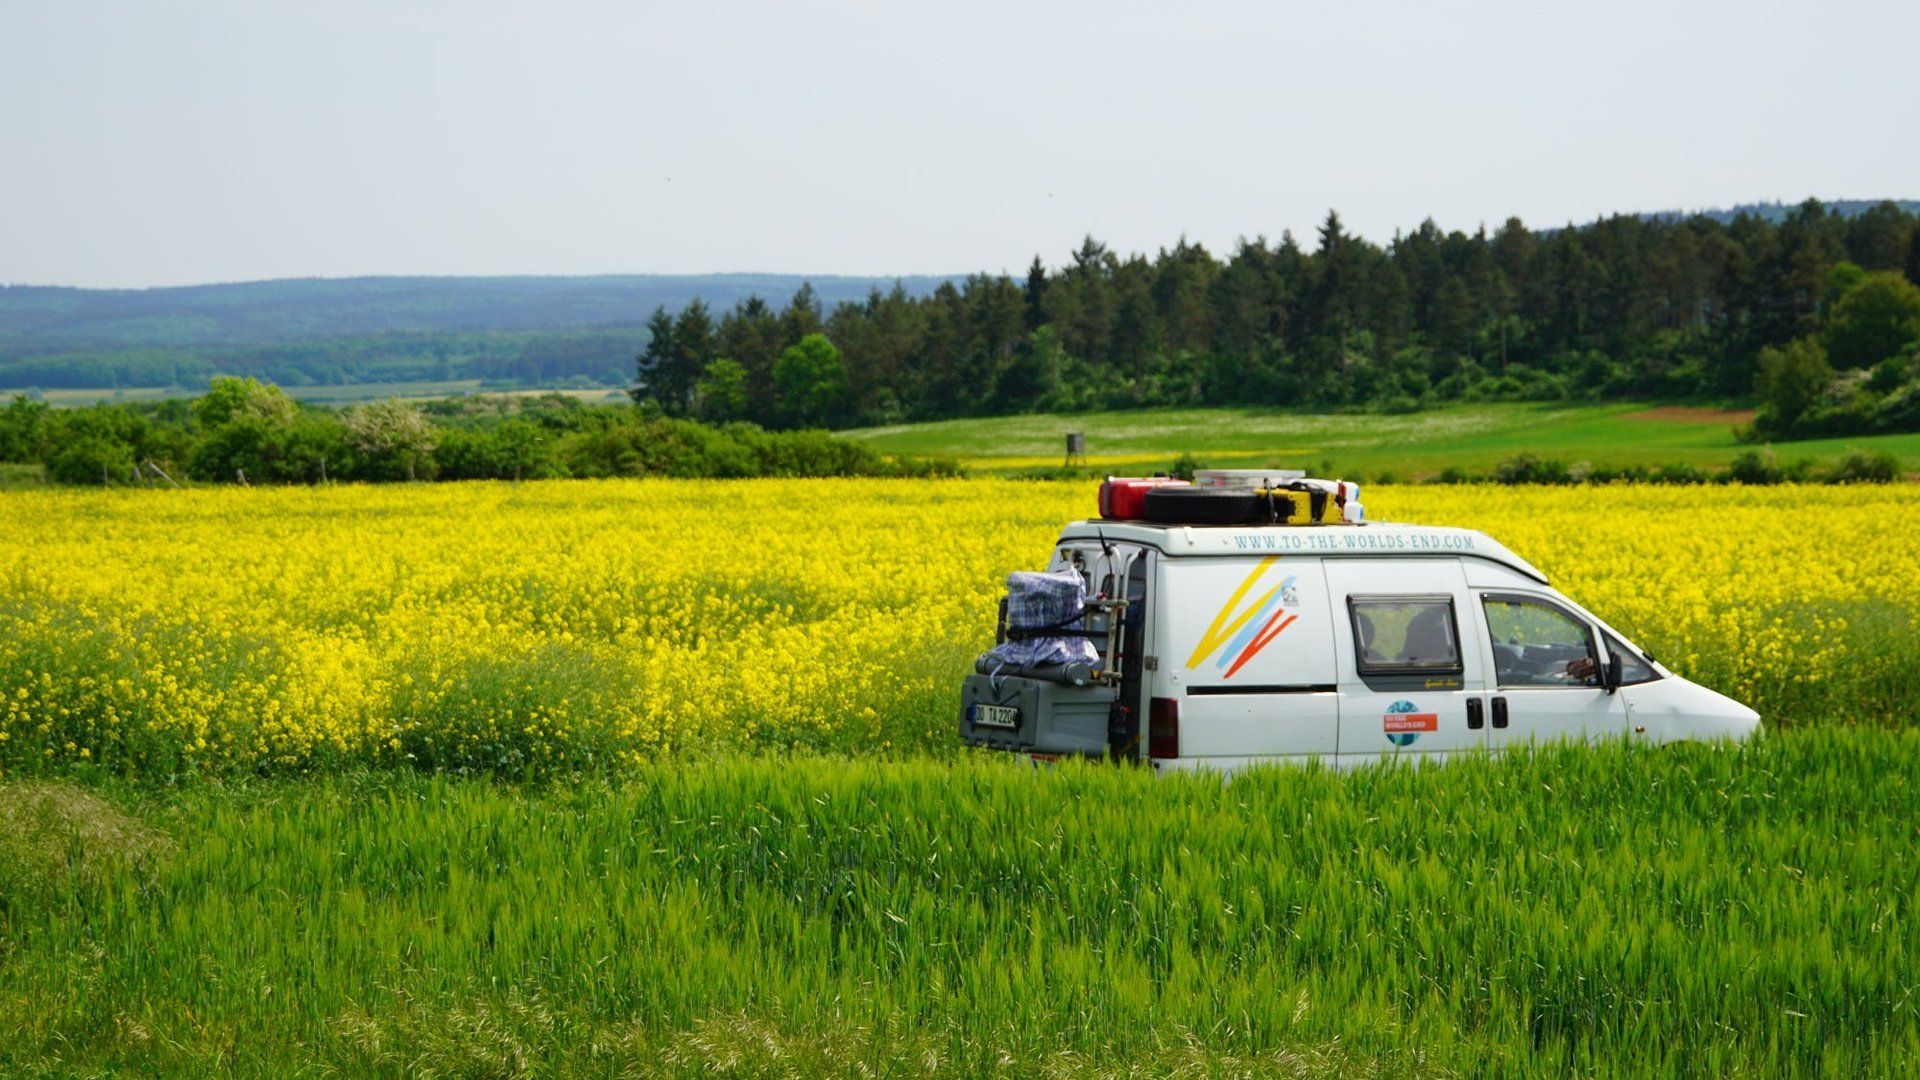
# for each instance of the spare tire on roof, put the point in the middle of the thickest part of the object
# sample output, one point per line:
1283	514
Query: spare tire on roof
1206	506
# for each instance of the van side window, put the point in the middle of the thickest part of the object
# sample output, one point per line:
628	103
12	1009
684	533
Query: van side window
1633	667
1405	635
1536	643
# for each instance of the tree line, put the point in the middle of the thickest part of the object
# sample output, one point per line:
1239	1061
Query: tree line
248	432
1627	306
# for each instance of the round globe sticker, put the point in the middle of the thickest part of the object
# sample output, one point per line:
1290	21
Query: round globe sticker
1404	722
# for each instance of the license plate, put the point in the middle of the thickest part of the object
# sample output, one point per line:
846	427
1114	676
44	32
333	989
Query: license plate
1005	716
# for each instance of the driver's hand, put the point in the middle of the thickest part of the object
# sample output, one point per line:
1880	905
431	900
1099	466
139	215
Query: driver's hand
1581	669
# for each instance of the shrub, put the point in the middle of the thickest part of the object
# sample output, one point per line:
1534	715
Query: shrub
652	446
513	450
23	425
1790	380
1625	474
1054	472
246	443
1889	374
924	468
802	453
1531	469
1185	466
1678	473
1754	467
1863	467
1900	410
91	459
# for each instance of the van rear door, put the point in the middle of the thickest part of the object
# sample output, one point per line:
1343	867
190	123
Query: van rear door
1117	571
1244	652
1412	675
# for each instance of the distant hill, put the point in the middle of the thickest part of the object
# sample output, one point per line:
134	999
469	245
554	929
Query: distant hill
368	329
39	319
1776	212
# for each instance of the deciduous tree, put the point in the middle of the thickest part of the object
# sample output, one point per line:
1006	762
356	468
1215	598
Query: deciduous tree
393	436
1873	320
811	379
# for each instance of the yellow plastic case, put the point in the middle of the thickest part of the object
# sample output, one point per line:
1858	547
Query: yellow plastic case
1302	502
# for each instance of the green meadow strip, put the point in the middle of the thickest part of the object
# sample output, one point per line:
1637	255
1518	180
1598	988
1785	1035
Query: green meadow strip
1697	909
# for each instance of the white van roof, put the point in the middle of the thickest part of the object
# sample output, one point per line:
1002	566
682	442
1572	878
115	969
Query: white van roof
1374	539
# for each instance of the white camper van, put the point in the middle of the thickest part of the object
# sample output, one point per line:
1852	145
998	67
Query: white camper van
1258	617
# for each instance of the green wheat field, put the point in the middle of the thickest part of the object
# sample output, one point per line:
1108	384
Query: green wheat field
1695	910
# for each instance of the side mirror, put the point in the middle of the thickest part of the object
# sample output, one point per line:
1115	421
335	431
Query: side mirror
1614	673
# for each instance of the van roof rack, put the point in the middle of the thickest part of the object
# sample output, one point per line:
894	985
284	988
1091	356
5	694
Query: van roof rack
1232	497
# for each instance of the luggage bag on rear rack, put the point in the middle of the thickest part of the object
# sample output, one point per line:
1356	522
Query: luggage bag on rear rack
1041	688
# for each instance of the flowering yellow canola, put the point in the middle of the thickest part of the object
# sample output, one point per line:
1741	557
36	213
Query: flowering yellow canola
520	627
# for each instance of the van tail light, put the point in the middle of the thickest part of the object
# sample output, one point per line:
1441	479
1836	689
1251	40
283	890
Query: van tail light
1163	728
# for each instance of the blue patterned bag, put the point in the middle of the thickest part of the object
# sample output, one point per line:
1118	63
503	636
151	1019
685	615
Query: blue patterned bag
1038	603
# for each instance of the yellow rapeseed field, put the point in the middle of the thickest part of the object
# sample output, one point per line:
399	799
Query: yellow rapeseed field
515	628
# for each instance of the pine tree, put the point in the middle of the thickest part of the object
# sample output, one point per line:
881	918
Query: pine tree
692	351
750	335
652	363
1036	295
1879	238
802	316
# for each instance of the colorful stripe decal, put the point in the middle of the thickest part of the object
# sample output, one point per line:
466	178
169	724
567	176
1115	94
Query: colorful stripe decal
1238	633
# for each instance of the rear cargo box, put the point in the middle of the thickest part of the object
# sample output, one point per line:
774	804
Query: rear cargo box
1014	712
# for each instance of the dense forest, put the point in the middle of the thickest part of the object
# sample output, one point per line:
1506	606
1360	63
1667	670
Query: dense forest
1639	306
1812	310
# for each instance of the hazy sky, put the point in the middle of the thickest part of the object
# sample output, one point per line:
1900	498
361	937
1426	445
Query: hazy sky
190	141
